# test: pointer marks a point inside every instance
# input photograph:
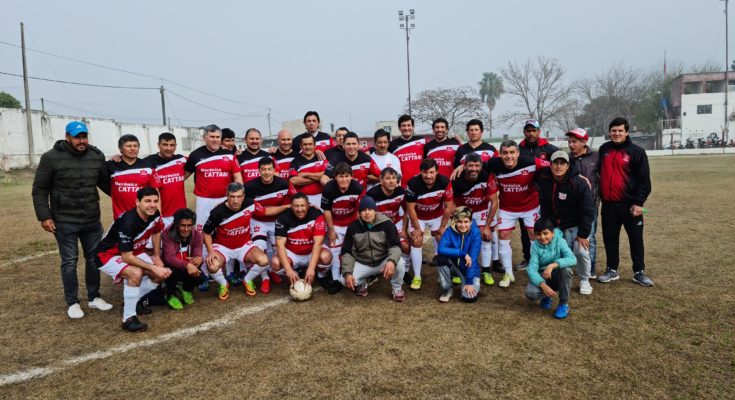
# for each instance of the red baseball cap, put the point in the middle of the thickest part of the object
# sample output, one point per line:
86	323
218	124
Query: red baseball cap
579	133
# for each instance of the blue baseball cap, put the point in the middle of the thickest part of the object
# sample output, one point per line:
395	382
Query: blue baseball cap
74	128
533	123
367	202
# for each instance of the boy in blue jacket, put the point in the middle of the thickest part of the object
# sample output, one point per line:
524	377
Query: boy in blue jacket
458	252
549	269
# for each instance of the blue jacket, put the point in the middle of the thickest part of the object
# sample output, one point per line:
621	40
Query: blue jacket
544	254
457	245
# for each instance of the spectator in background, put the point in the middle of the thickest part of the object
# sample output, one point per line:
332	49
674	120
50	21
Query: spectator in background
182	254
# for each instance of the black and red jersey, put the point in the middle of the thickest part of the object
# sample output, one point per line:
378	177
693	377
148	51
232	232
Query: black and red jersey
392	206
344	206
485	150
322	141
475	195
276	193
283	162
429	200
516	185
410	152
313	165
542	149
212	171
300	233
169	177
231	228
129	233
624	173
443	152
333	155
362	166
125	181
249	164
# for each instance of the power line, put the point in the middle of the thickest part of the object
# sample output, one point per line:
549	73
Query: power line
212	108
82	83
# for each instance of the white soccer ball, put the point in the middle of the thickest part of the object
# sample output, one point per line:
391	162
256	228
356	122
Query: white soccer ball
300	291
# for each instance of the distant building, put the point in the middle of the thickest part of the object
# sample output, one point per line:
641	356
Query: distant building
698	103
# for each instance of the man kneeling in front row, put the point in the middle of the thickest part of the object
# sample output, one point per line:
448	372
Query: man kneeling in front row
372	247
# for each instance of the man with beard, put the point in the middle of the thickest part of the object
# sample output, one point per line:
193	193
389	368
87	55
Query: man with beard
442	148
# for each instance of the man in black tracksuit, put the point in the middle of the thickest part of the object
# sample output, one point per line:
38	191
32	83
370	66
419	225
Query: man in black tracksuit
584	160
625	184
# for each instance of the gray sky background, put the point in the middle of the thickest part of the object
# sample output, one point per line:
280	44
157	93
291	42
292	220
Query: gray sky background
344	59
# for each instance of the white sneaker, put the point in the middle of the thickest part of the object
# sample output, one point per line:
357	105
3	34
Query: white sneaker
75	311
507	280
444	298
100	304
585	287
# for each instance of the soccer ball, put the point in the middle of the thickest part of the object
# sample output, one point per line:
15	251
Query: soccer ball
300	291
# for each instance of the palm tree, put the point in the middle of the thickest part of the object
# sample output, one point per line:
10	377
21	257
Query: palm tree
491	87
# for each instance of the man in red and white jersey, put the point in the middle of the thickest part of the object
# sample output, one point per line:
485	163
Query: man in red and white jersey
128	175
408	148
442	148
299	242
476	189
390	200
307	171
226	236
518	198
474	144
364	169
169	175
429	205
284	153
382	157
340	202
249	158
322	140
228	141
121	254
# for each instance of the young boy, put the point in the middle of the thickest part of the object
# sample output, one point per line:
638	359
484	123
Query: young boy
458	252
549	269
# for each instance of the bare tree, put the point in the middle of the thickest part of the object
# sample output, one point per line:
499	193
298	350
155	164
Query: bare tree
457	105
540	91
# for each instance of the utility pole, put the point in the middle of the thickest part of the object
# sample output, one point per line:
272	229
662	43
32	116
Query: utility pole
407	26
727	81
29	122
269	122
43	106
163	105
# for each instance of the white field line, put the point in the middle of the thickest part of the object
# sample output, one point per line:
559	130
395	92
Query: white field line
228	319
26	258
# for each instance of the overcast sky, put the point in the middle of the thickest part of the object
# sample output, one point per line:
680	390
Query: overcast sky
346	60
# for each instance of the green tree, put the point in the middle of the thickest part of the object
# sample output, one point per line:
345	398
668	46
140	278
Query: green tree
8	101
491	87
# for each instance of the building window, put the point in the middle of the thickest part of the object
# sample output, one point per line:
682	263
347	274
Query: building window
704	109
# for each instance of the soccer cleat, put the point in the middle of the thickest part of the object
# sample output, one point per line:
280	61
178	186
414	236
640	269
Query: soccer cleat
641	279
585	287
487	279
456	280
204	285
223	293
334	287
498	267
133	324
521	266
416	283
100	304
188	297
399	296
277	279
234	279
75	311
444	298
174	303
609	276
546	303
507	280
362	290
142	308
249	288
562	310
265	286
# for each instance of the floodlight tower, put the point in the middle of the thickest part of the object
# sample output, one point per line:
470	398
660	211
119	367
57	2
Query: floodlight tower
406	23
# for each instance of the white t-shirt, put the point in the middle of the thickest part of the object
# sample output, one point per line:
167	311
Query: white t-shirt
384	161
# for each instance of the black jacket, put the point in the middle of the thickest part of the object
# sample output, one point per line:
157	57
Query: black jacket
586	165
568	203
65	185
625	176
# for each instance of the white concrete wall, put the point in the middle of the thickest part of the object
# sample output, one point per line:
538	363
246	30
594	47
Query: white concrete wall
103	133
689	152
695	125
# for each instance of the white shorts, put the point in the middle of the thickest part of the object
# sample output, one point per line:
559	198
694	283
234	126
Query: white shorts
116	266
315	200
507	220
399	228
480	219
266	230
298	261
432	224
341	230
234	254
204	207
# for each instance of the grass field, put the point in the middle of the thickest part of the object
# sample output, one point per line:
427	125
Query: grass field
674	340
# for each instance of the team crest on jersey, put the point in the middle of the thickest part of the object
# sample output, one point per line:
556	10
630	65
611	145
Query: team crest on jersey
524	172
562	196
626	158
542	156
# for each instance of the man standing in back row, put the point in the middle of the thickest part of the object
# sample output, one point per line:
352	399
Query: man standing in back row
408	148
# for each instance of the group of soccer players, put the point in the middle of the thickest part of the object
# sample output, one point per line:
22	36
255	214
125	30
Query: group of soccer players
268	214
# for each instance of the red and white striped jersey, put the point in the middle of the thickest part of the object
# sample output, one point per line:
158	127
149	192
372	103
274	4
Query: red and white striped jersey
342	205
212	171
300	233
231	228
125	181
410	152
429	200
249	164
169	178
362	166
485	150
129	233
392	206
517	190
276	193
475	195
322	141
443	152
313	165
283	162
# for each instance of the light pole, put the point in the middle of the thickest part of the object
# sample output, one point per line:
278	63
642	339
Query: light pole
407	24
727	81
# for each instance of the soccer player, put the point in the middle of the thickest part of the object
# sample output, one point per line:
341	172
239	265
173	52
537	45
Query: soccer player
382	157
307	171
284	154
408	148
128	175
390	201
121	254
340	202
442	148
476	189
249	158
364	169
429	205
625	183
334	154
182	254
226	236
322	140
169	175
299	242
474	144
228	141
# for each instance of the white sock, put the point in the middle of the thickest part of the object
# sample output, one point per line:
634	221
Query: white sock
495	245
230	266
264	275
253	272
506	256
416	257
336	263
130	300
486	253
321	270
219	277
146	286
